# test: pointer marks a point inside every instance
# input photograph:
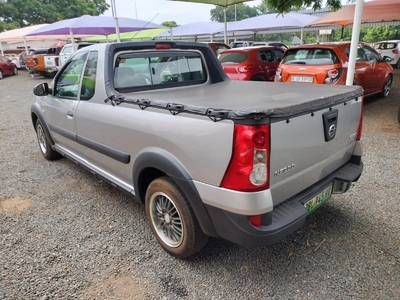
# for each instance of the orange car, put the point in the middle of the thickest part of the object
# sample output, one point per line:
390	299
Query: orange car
326	63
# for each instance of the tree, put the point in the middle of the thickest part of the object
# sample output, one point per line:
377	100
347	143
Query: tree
34	12
243	11
169	24
285	6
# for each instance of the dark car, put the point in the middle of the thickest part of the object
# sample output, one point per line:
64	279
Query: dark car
251	63
7	67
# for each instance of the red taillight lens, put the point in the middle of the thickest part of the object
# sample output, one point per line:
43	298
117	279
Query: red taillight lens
255	220
360	124
395	51
245	69
249	166
332	76
57	61
162	46
278	75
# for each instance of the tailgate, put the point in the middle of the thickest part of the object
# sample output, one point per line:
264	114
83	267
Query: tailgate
50	61
303	150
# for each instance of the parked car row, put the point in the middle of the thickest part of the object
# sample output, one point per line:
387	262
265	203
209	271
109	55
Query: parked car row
321	63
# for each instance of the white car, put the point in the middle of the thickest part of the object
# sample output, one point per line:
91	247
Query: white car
391	49
67	50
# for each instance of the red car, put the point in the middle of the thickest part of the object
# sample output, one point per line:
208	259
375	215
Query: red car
326	63
251	63
7	67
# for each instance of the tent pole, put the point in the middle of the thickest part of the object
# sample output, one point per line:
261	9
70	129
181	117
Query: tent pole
355	36
225	26
1	49
342	34
71	34
26	46
114	14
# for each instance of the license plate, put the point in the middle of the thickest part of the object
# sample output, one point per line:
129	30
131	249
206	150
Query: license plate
317	200
306	79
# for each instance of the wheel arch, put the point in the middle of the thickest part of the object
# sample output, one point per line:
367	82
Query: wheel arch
37	115
152	163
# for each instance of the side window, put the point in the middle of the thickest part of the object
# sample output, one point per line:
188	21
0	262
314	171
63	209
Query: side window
361	54
152	69
278	54
67	84
67	49
265	56
371	55
89	77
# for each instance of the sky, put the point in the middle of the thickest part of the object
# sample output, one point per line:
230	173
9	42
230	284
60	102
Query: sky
158	11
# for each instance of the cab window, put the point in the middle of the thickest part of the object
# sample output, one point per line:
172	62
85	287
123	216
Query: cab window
89	77
67	84
150	70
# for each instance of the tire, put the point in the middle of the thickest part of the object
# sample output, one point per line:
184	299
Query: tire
258	78
44	144
398	64
15	71
1	75
387	86
172	220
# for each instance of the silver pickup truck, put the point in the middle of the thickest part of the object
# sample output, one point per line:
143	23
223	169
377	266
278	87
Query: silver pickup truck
208	156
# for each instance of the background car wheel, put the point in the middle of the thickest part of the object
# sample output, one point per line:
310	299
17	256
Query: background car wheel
398	64
258	78
386	87
172	220
15	71
1	74
44	144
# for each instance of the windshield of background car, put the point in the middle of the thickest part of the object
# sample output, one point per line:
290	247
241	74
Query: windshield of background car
232	57
310	56
148	70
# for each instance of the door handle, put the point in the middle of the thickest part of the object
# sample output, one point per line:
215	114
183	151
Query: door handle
70	114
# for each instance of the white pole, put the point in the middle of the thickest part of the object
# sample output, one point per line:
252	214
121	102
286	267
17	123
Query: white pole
355	37
71	34
26	45
1	49
225	26
114	13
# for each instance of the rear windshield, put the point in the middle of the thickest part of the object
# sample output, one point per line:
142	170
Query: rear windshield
232	57
384	46
313	56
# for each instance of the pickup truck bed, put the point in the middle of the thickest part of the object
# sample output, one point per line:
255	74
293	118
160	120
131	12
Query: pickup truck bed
244	161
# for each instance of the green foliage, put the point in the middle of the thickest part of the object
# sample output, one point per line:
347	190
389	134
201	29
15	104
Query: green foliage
285	6
169	24
32	12
243	11
369	34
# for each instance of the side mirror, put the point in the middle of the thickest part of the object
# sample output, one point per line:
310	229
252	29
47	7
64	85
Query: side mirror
41	89
387	58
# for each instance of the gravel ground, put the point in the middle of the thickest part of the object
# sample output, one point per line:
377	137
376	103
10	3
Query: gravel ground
65	234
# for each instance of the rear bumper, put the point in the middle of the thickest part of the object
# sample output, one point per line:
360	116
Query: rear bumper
51	69
284	219
32	70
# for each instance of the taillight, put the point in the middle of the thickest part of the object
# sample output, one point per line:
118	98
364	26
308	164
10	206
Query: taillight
332	76
249	166
35	61
57	60
162	46
395	51
245	69
360	124
278	75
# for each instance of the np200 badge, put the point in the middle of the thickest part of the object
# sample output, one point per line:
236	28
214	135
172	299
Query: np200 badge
284	170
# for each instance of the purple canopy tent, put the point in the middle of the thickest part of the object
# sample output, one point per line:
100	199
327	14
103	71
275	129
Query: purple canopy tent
95	25
200	31
269	22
